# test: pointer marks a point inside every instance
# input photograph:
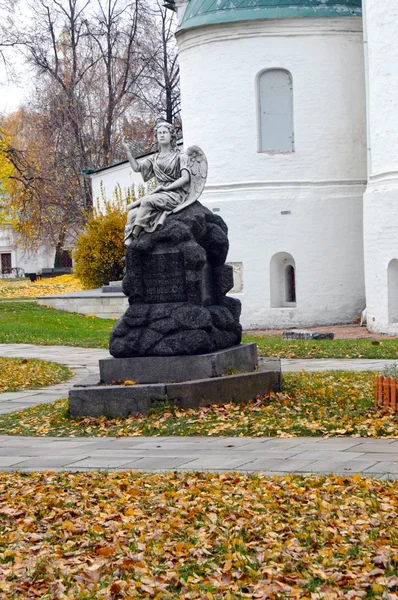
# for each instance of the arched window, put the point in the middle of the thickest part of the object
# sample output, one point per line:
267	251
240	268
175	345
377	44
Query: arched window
290	284
393	291
283	280
275	93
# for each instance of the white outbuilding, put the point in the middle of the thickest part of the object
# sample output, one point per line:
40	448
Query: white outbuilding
275	93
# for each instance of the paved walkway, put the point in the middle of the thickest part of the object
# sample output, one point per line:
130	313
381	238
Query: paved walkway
345	456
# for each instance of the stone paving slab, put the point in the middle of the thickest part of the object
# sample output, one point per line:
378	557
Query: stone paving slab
9	460
335	464
330	443
329	454
281	466
383	467
380	457
45	462
108	462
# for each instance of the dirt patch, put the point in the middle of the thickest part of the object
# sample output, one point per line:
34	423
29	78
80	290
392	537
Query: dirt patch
341	332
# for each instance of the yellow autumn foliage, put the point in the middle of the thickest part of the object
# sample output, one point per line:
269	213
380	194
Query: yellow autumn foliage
28	374
99	253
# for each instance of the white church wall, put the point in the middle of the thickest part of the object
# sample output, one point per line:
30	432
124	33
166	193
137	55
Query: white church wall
381	247
219	70
324	238
381	198
318	187
30	262
105	181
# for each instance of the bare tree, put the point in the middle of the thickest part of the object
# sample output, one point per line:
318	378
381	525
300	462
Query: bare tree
97	63
119	29
56	46
160	88
9	34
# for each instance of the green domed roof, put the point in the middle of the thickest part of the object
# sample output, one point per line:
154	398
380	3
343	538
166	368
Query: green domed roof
208	12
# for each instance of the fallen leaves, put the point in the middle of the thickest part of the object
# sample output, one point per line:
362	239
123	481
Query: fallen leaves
311	404
71	536
51	286
21	373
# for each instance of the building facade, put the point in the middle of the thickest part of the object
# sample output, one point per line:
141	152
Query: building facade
277	93
15	261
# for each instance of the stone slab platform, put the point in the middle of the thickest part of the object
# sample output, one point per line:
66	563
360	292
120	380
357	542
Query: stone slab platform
305	334
120	401
160	369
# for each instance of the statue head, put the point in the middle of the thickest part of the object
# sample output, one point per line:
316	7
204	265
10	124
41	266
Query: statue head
170	128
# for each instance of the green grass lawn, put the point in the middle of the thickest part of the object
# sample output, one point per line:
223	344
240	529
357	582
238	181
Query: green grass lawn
273	345
29	323
339	403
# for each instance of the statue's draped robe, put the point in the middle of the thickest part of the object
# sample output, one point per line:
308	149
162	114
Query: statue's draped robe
155	207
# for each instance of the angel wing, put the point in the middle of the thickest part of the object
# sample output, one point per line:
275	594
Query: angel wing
198	168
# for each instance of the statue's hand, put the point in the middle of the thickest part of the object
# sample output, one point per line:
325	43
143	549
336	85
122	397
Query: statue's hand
160	188
133	162
125	146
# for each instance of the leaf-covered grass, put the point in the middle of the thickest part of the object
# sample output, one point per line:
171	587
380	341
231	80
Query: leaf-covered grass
24	288
27	374
200	536
273	345
29	323
311	404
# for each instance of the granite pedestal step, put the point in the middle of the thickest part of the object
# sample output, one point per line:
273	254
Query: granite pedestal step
172	369
198	381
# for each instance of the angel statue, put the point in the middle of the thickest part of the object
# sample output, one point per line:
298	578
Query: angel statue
181	177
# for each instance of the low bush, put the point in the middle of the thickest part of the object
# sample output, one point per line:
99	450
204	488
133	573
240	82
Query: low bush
98	257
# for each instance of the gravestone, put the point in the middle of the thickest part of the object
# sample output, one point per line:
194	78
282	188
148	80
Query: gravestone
176	281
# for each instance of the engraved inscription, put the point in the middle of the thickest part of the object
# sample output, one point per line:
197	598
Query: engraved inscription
163	278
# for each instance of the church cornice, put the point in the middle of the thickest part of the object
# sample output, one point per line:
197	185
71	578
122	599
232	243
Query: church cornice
263	29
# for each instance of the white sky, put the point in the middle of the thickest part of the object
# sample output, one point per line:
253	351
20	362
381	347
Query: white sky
11	96
14	93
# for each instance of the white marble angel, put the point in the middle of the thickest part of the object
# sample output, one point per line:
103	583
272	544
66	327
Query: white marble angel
181	177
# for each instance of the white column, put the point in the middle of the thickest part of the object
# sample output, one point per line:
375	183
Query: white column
381	197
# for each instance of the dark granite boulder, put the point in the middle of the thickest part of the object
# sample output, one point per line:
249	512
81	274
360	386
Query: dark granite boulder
176	280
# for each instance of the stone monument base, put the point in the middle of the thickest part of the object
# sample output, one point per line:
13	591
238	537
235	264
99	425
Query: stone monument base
187	381
173	369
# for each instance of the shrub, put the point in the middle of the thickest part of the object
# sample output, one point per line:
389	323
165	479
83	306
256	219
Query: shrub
100	249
